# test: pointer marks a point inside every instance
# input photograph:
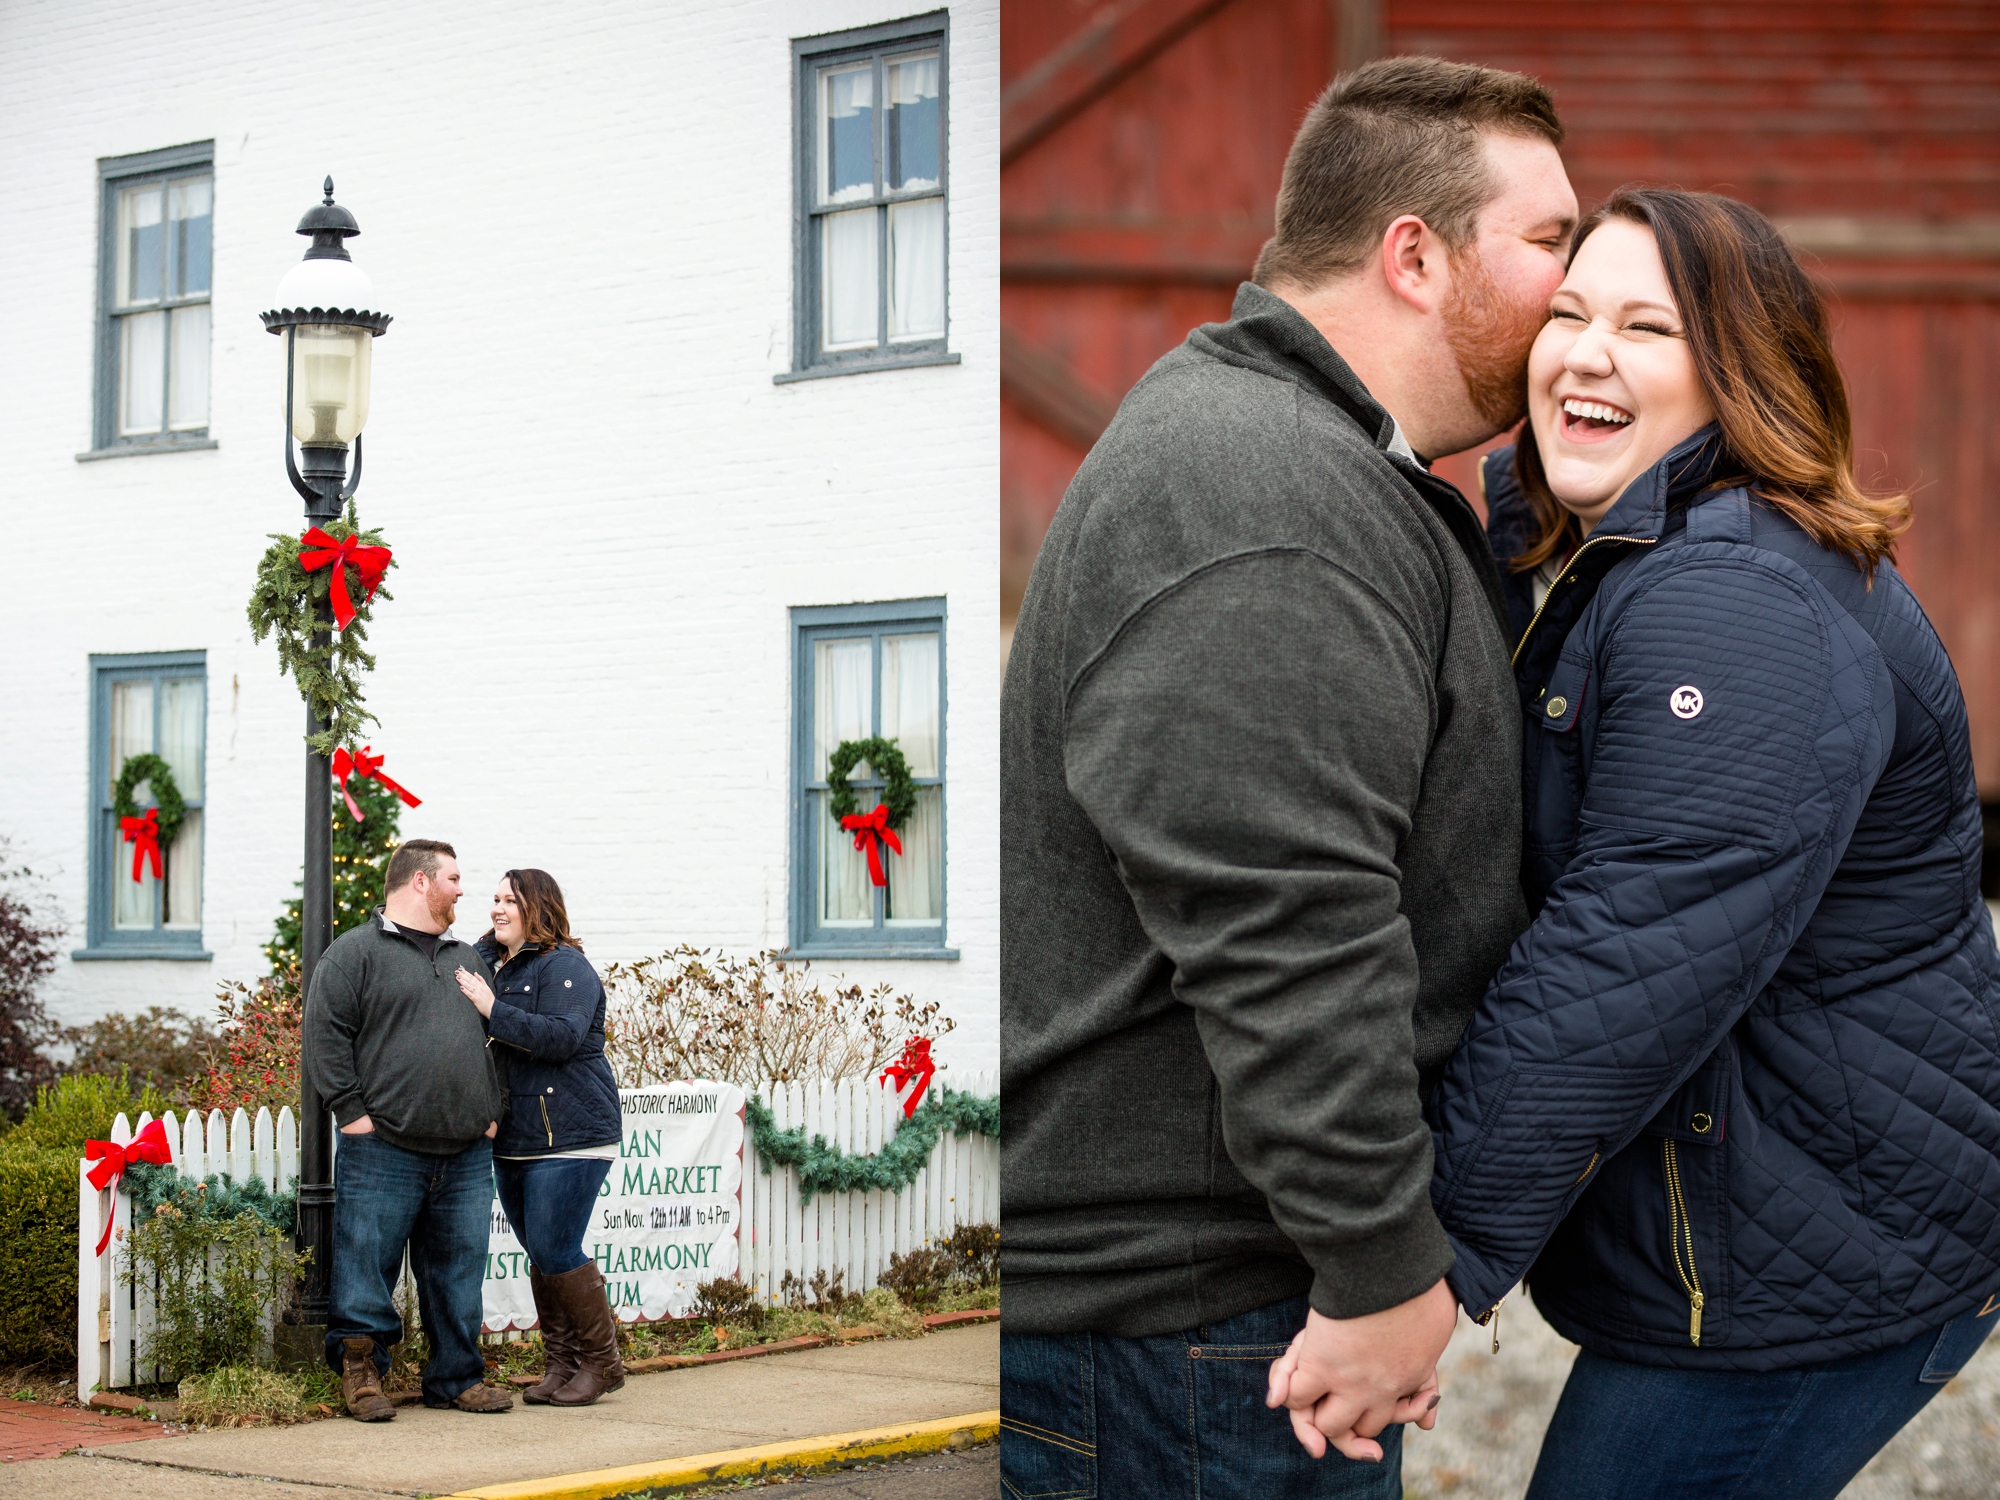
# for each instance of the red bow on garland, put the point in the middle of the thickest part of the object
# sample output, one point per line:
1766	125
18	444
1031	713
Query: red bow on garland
915	1063
149	1144
364	762
871	831
143	834
318	550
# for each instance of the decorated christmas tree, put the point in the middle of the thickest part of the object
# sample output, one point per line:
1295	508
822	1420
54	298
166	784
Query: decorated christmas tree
360	856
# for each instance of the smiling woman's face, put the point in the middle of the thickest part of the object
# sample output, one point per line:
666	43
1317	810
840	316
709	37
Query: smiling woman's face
1612	387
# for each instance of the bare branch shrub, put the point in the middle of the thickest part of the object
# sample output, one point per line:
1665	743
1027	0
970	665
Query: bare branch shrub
693	1013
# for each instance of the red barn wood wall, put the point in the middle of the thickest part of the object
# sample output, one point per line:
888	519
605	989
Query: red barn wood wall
1142	142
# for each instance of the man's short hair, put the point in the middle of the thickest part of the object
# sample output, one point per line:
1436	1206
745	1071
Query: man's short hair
412	858
1398	136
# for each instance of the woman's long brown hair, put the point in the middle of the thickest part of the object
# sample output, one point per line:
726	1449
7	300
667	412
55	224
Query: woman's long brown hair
1757	328
544	918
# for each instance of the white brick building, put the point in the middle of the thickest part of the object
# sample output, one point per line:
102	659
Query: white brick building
613	509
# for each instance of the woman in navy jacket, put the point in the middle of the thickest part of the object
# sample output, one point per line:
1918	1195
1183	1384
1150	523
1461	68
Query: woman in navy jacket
562	1130
1732	1106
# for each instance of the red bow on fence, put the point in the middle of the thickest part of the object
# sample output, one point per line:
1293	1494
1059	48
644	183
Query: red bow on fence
364	762
318	550
914	1063
871	831
149	1144
143	834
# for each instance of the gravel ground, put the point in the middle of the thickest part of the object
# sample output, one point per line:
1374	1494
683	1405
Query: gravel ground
1497	1407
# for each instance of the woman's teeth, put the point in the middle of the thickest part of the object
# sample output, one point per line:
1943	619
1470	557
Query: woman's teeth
1596	411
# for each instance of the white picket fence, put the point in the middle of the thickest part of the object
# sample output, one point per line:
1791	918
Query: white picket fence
853	1233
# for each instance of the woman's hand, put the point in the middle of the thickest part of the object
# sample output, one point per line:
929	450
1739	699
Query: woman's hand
477	990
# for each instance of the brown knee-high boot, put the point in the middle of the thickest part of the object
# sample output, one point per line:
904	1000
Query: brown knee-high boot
558	1341
595	1329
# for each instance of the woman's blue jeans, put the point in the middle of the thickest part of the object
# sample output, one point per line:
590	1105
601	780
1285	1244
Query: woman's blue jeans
1635	1432
549	1202
442	1208
1085	1416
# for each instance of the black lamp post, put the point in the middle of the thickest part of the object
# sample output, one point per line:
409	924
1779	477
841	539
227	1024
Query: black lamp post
324	316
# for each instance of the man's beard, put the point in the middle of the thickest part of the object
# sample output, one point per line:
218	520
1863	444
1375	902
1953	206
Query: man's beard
440	907
1490	337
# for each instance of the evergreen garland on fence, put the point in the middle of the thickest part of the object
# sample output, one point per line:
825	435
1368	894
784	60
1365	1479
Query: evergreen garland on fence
151	1185
828	1169
286	603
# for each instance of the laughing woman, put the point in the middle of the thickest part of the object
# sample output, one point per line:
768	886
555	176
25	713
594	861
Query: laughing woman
1732	1105
562	1132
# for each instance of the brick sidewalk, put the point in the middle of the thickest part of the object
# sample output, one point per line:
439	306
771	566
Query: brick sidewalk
30	1430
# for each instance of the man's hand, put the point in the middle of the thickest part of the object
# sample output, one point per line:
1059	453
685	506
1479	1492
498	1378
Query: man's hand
492	1130
359	1125
1345	1379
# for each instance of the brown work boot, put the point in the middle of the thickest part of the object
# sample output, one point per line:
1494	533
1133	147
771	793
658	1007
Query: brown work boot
360	1385
483	1398
595	1330
558	1342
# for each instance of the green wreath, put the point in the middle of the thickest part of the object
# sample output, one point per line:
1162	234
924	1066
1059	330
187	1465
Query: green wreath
287	602
899	796
166	796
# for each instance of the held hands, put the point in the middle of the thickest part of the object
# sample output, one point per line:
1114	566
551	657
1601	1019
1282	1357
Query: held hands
477	990
1345	1379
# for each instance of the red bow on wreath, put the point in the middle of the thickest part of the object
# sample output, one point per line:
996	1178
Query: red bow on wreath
143	834
914	1063
149	1144
871	831
318	550
364	762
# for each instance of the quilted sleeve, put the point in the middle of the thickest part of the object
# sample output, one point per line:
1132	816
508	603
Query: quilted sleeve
1743	721
570	991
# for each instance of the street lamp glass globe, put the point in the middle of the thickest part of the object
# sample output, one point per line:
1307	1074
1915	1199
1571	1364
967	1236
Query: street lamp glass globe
329	381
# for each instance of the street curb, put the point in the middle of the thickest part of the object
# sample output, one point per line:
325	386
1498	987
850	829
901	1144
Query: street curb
800	1455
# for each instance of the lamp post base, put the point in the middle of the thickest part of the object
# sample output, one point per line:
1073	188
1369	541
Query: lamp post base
298	1346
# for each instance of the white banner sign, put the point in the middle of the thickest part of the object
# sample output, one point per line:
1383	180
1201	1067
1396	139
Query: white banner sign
667	1217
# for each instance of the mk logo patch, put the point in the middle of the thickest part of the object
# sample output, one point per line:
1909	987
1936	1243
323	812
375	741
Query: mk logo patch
1685	701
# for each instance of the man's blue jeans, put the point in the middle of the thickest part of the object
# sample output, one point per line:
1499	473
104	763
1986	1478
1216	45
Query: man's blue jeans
1084	1416
1634	1432
442	1208
549	1203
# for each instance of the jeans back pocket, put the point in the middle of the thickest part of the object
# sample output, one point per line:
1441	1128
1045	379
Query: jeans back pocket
1958	1341
1048	1417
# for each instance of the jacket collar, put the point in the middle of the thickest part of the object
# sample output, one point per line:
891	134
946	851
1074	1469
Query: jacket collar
382	916
1266	332
1675	482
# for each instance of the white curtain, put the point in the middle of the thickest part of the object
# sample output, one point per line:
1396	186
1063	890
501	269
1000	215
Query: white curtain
187	384
141	246
910	718
183	708
916	269
847	279
843	709
131	734
847	133
141	371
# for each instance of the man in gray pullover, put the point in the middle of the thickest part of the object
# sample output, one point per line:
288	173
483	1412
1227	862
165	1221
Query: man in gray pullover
400	1057
1261	825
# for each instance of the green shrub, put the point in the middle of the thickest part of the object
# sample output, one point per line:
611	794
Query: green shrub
38	1201
212	1281
162	1048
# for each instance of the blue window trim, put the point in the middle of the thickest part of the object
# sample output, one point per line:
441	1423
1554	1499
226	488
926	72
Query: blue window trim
810	623
809	361
115	173
104	941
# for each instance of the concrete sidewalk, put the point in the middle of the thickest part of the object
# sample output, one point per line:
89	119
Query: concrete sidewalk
655	1417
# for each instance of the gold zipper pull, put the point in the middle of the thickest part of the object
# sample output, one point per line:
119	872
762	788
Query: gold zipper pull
1496	1325
1694	1319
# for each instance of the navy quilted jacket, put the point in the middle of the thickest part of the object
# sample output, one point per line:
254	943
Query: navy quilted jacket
548	1010
1733	1102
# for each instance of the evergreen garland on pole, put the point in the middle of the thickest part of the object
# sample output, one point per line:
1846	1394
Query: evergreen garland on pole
828	1169
286	603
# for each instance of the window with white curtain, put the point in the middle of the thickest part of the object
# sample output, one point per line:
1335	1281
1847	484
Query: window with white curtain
872	261
153	704
155	276
863	671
